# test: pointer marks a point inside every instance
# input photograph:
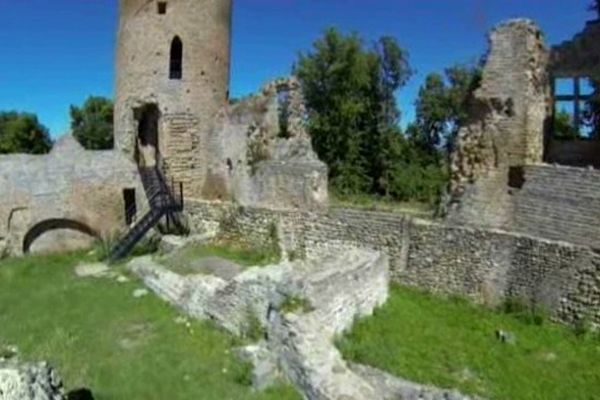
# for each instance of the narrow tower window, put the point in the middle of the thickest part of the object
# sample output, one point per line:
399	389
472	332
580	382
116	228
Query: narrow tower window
162	7
176	64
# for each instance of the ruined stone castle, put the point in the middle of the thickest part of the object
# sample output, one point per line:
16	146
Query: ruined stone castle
172	113
522	219
524	206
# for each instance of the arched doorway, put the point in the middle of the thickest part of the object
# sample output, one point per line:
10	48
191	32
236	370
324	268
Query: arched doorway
147	150
58	234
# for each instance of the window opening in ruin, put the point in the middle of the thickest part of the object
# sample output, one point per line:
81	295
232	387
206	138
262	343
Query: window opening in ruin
130	205
283	105
162	7
147	150
570	96
176	62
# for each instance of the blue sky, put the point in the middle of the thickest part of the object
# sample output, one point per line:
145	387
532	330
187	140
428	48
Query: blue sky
56	53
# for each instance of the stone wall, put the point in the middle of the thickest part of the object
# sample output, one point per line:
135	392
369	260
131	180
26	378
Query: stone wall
253	163
561	203
546	201
507	120
490	265
484	264
64	197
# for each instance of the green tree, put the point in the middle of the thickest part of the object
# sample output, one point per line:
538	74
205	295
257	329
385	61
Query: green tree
391	71
350	95
563	126
23	133
442	106
335	79
92	124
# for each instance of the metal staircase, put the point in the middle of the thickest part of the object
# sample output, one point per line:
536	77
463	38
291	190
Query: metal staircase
163	201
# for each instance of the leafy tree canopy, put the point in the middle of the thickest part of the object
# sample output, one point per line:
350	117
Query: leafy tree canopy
23	133
92	124
353	116
442	106
563	126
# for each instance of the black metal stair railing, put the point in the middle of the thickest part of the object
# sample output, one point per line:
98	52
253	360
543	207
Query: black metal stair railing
162	202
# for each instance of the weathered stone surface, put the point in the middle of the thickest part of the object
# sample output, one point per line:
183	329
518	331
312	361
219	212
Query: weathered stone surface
393	388
95	270
254	165
340	288
29	381
265	372
171	243
219	151
216	266
486	265
506	126
188	106
61	200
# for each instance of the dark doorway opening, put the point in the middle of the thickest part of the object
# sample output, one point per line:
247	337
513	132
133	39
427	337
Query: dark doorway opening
147	152
130	205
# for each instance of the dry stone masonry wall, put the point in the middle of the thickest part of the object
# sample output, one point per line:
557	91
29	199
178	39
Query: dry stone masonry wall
485	264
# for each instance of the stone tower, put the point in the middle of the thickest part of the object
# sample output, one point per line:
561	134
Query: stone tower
172	73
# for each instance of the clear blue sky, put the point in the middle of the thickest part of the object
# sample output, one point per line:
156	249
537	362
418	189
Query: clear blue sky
56	53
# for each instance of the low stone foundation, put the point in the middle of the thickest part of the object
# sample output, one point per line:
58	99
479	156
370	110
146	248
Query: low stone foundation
297	342
485	264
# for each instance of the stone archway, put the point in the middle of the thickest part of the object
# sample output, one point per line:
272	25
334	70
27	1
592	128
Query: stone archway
58	234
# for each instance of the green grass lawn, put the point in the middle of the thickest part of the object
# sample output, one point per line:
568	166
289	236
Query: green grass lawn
99	336
374	203
452	343
179	260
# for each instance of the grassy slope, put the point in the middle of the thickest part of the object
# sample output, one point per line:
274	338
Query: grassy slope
453	344
100	337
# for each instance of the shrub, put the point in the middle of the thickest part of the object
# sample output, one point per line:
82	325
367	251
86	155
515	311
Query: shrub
525	310
293	304
254	329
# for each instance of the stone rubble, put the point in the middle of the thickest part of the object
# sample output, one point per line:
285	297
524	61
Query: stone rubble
29	381
296	344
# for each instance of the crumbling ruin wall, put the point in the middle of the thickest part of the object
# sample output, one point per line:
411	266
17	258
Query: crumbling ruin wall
255	163
507	122
579	56
61	200
218	151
